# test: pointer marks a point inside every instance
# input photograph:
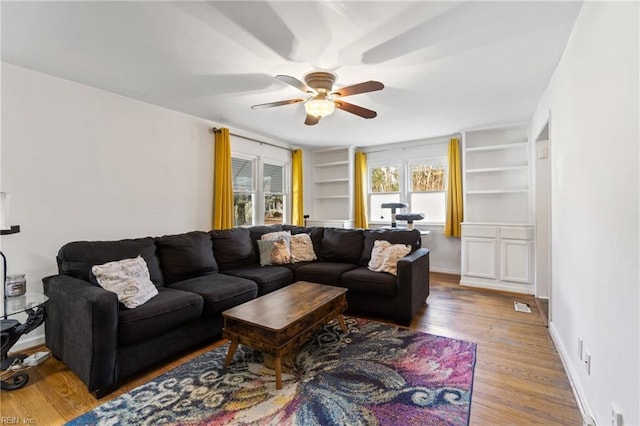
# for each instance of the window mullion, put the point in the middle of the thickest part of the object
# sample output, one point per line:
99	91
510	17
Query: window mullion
259	189
404	183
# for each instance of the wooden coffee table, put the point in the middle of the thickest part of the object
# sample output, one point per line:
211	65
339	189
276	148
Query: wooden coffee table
280	321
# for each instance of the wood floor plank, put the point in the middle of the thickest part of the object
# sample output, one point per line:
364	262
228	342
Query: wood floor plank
519	378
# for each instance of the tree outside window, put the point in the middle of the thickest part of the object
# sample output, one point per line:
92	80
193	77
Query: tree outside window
384	188
243	190
385	179
274	197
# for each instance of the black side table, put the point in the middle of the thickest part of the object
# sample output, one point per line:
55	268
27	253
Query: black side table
33	305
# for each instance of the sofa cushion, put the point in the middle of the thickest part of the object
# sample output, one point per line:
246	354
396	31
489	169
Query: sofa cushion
166	311
128	279
268	278
219	291
185	256
410	237
233	248
315	234
323	272
341	245
362	280
76	258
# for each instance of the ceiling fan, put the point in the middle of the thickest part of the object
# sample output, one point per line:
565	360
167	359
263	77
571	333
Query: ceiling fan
322	99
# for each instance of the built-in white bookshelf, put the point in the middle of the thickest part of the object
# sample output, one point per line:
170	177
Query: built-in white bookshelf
497	235
333	185
497	176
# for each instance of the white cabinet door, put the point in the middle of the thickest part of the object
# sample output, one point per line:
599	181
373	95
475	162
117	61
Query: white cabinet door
516	261
479	257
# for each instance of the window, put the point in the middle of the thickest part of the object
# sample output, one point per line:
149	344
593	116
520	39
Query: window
253	203
243	191
427	192
384	184
420	183
274	196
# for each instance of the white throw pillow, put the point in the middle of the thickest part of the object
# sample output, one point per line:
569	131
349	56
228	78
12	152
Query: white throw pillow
128	278
302	248
385	256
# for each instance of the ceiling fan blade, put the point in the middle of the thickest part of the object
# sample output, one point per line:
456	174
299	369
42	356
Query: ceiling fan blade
292	81
279	103
311	120
355	109
367	86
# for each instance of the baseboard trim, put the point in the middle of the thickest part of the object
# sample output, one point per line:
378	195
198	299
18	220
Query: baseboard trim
583	404
445	271
511	288
28	342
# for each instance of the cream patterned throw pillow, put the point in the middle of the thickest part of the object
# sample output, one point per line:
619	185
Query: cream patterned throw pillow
385	256
280	253
275	248
274	252
302	248
272	236
128	278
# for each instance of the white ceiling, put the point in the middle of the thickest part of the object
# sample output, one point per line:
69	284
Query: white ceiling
446	66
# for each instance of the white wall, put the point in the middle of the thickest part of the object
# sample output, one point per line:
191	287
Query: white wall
85	164
445	251
592	100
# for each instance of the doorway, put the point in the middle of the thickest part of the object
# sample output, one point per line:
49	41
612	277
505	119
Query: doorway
542	202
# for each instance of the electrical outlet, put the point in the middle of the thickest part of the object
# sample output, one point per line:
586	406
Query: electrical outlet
587	362
616	416
580	345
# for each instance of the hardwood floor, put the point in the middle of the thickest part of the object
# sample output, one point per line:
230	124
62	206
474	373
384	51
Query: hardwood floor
519	378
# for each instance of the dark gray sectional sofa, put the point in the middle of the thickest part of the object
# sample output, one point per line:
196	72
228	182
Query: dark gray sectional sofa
199	275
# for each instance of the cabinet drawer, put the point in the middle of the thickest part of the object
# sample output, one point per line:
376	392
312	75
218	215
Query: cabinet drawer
479	231
515	233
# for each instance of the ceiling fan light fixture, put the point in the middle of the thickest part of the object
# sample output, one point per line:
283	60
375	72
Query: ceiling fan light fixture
322	99
319	106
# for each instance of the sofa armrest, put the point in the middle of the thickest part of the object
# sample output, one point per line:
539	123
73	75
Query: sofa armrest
413	282
81	329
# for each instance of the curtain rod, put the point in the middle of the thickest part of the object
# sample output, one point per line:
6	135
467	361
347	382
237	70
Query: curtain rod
216	130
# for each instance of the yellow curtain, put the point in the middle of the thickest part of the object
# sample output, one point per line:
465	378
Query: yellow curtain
452	226
360	203
297	199
222	181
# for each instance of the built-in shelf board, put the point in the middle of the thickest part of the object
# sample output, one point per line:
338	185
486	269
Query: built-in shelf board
331	196
498	147
333	180
332	164
497	169
498	191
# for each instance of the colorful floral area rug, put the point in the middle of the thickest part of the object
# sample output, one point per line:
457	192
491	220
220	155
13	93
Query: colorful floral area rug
376	374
